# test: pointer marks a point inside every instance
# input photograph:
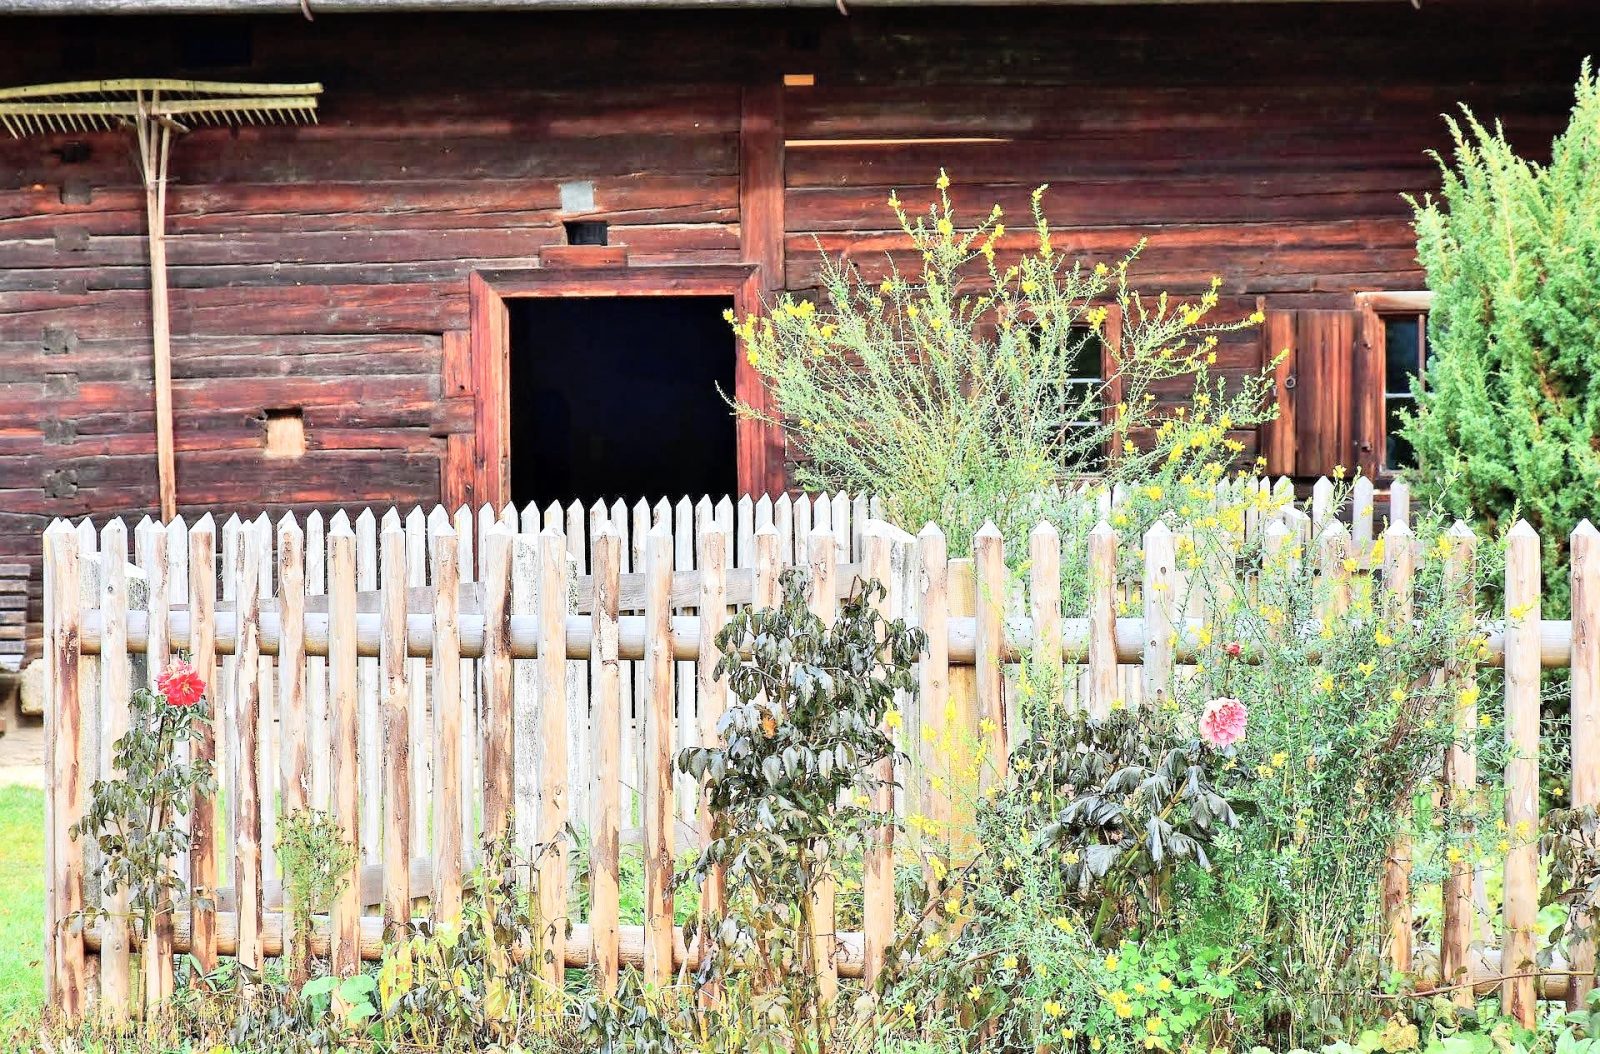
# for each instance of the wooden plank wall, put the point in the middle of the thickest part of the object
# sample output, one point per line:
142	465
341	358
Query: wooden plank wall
326	267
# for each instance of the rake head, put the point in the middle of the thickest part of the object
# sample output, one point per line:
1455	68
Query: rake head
93	106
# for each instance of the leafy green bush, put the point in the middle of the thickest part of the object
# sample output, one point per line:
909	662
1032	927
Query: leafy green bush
1508	422
948	393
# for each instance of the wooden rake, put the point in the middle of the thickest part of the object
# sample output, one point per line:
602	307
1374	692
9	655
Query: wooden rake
154	109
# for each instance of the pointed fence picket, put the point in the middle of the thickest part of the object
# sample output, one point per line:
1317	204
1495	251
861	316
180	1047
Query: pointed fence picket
430	678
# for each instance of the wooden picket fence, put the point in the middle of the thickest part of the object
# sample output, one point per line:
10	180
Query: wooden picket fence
407	675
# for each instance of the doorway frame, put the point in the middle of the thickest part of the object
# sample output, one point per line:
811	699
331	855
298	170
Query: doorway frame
759	443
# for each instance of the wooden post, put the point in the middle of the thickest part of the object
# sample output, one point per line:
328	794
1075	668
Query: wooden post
823	602
66	974
416	527
396	704
203	813
1399	566
933	677
551	871
1585	549
296	732
498	774
527	747
989	565
368	706
605	847
1518	994
1361	512
155	558
877	885
1333	552
1160	614
116	944
658	834
447	775
1460	781
1044	596
345	777
316	568
155	144
1102	620
246	757
711	689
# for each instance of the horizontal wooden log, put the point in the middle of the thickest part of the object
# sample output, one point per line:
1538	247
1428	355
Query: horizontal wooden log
1555	637
848	954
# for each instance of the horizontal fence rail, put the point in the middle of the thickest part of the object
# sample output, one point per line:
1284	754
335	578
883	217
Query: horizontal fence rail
440	677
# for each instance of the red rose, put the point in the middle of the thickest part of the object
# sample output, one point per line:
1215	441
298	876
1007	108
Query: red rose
1233	648
181	685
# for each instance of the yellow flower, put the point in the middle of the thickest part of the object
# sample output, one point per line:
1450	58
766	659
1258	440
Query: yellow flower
1485	721
1111	963
1398	694
1280	759
893	719
952	906
1094	1042
1453	854
1009	962
1062	923
974	993
1163	985
1153	1024
946	228
1052	1008
943	183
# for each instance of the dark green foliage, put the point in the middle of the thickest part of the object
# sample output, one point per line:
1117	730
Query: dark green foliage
133	819
1509	421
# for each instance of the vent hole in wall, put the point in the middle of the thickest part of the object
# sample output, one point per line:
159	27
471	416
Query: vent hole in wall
286	432
586	232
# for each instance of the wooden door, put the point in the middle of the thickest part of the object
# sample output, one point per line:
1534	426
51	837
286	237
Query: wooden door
1317	389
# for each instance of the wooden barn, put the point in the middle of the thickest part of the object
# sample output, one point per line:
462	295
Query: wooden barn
494	269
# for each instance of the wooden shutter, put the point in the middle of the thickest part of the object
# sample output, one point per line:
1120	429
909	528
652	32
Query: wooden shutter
1315	385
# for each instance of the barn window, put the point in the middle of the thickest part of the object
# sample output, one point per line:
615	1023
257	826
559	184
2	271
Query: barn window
1405	356
1085	384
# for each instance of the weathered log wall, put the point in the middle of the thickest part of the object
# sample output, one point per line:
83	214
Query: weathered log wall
321	267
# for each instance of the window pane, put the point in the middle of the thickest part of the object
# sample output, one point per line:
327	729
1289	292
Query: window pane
1085	354
1398	452
1400	352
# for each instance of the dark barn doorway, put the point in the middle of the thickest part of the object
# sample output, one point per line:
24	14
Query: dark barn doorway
617	397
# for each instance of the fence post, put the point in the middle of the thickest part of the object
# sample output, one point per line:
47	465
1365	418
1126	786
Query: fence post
1160	613
154	558
877	885
447	768
712	689
605	845
395	702
371	717
1044	596
246	755
989	566
1460	779
116	955
1102	620
295	734
528	749
498	730
1585	549
65	975
344	735
823	601
551	871
203	875
419	739
658	813
1518	995
933	679
1399	565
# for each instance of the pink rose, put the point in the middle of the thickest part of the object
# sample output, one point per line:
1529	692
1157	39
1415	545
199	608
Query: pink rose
1222	722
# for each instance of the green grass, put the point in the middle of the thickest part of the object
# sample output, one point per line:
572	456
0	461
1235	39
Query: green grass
21	903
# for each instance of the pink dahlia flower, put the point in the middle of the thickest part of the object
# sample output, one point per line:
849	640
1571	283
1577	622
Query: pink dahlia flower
1222	722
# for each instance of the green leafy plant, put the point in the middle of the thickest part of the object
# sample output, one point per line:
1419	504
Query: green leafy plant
1508	421
316	860
947	390
789	788
133	818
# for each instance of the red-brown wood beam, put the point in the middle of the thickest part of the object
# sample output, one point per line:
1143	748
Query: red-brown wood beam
489	351
761	189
